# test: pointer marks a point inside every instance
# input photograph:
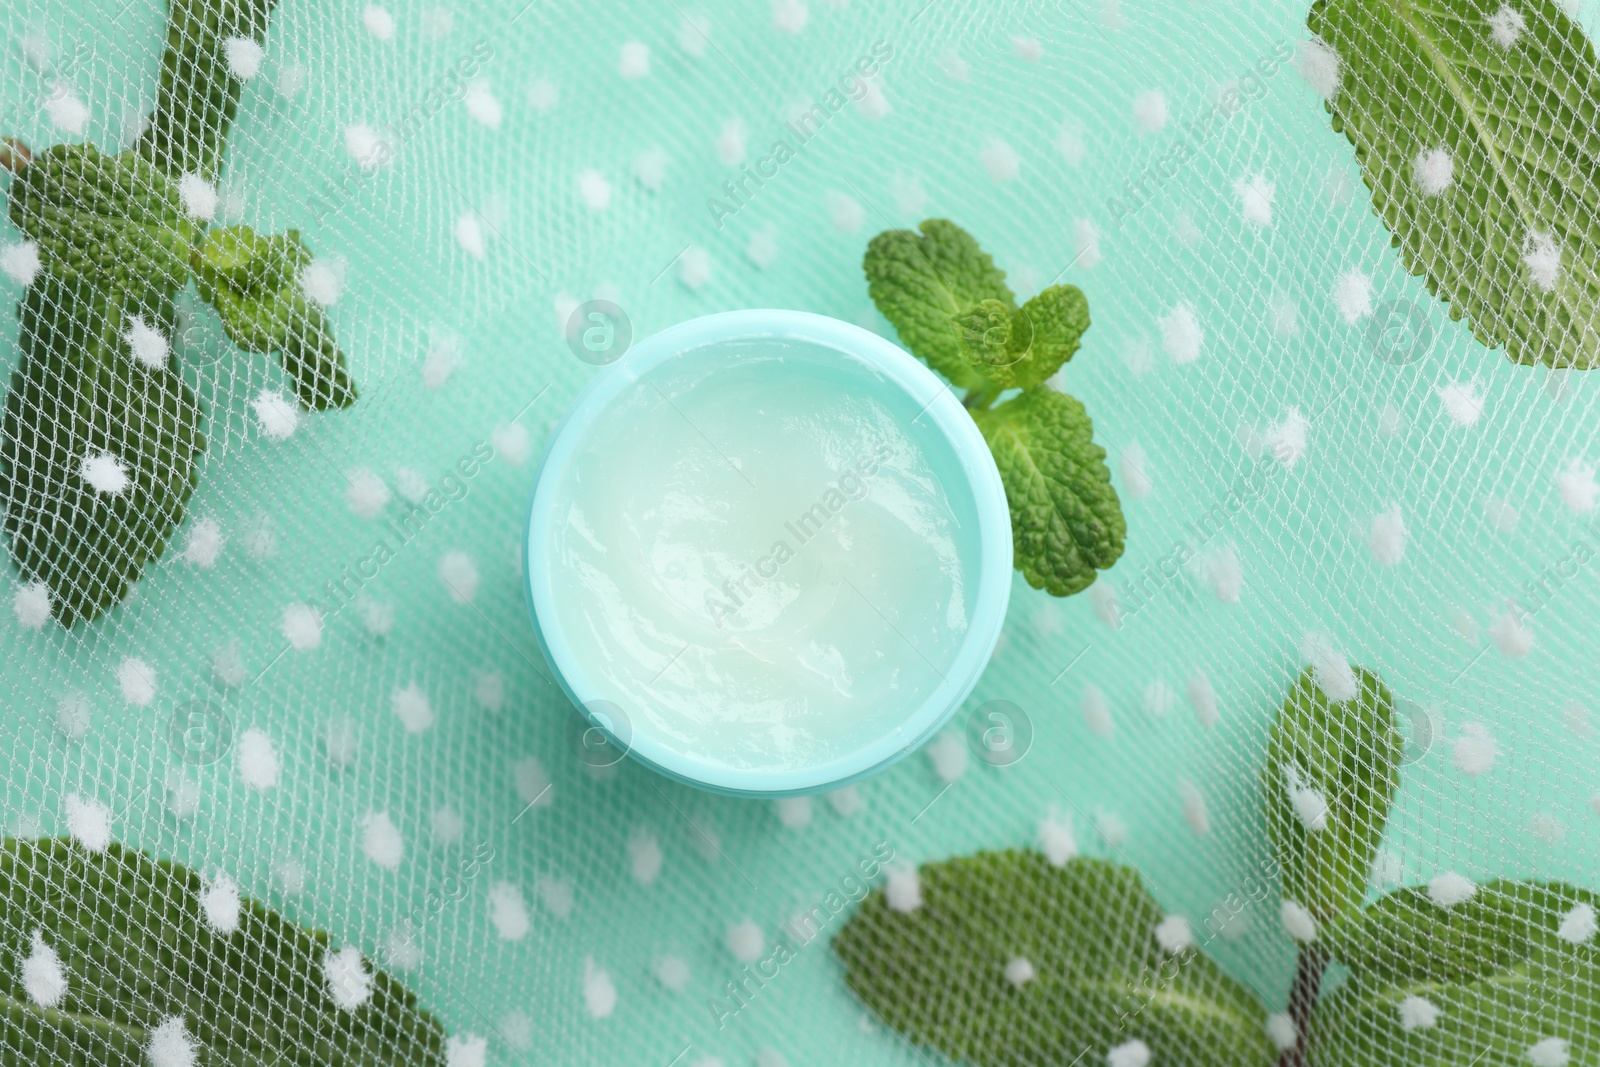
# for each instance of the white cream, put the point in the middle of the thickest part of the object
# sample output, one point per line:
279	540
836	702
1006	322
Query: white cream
764	554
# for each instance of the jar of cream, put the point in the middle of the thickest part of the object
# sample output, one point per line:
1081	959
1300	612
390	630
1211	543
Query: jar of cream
769	552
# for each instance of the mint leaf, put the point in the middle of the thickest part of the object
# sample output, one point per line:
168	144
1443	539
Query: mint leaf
921	281
101	434
1066	520
938	973
1481	167
111	220
1018	348
253	282
77	396
199	97
137	949
1331	774
1494	974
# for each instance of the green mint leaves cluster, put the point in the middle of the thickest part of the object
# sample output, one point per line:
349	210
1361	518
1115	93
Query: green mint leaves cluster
101	434
1451	973
952	308
111	958
1474	124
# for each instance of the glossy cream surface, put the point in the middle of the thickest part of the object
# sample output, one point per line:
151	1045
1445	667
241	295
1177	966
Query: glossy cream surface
765	554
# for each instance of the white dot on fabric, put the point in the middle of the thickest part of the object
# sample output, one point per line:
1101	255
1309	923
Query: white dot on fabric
1434	170
1056	839
275	413
634	60
1297	921
381	840
198	197
508	912
243	56
1449	889
1097	712
903	888
672	972
1352	296
1150	111
790	16
20	262
413	708
1387	541
378	22
746	941
1281	1031
466	1050
1321	68
349	982
1418	1013
1133	1053
1174	934
1000	161
1474	751
1020	971
1506	26
88	822
257	759
1463	401
44	978
644	856
948	754
1255	195
459	574
105	473
220	904
794	812
599	992
302	626
1578	926
31	604
203	543
170	1044
1181	334
483	107
137	681
1550	1052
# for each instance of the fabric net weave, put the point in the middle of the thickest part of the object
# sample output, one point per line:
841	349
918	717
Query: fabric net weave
1312	775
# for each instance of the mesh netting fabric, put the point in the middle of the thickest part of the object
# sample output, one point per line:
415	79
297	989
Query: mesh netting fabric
465	177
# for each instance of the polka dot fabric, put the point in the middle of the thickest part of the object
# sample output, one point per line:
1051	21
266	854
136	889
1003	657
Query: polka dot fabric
326	695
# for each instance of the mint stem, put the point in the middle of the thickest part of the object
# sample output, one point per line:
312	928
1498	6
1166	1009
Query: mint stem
1302	998
199	97
981	397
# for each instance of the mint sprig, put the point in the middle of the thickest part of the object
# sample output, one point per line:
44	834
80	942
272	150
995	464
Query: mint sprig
101	433
136	949
1474	124
1448	974
952	308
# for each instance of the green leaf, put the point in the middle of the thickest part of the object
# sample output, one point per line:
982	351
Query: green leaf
1496	967
937	974
111	220
199	97
137	949
1519	126
1331	774
1066	520
253	282
921	281
1020	348
78	393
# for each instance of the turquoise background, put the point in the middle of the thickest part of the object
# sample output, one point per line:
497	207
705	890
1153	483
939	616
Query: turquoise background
1301	542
